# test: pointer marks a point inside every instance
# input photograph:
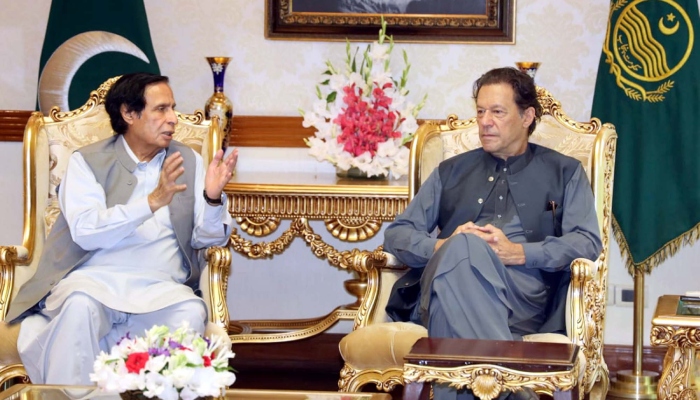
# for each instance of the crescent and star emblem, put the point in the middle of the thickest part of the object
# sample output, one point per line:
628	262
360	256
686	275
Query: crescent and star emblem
637	51
671	30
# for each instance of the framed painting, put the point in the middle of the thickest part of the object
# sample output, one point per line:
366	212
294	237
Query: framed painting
430	21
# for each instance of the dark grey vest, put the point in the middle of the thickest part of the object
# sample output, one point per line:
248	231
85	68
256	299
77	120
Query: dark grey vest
113	169
465	180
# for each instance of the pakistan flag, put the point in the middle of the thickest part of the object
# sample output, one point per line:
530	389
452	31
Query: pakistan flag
86	43
648	87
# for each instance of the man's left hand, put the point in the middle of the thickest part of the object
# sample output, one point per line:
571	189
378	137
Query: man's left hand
508	252
219	173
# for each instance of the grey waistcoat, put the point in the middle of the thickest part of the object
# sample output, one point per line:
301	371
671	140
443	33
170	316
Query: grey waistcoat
113	169
465	180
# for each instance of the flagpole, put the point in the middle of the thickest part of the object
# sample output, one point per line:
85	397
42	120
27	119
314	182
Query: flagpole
636	383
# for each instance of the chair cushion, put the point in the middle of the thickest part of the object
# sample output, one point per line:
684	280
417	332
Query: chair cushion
380	346
8	344
547	338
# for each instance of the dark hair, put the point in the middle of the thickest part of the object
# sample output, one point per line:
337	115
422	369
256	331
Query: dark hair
525	92
129	90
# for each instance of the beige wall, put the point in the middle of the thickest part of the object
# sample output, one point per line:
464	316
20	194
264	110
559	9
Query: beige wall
277	77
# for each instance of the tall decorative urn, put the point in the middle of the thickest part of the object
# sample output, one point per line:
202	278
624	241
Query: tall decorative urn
218	104
528	67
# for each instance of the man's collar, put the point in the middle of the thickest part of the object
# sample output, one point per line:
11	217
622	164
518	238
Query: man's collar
513	164
132	155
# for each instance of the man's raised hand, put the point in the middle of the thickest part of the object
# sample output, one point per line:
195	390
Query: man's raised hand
163	194
219	173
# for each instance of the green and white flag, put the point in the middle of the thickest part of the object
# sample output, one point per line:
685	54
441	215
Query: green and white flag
648	87
86	43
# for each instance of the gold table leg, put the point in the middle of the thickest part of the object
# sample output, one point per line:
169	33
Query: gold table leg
676	378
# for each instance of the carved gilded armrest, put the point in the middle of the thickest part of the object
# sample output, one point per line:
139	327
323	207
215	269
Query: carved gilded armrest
588	297
382	271
214	284
10	256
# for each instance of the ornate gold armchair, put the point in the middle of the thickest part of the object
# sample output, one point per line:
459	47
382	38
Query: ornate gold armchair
48	143
374	351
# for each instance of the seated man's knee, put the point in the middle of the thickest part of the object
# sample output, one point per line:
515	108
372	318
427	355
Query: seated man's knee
79	303
193	312
458	242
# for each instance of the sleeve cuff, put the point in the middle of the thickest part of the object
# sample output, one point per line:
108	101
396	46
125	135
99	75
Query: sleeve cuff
141	209
534	255
427	247
214	213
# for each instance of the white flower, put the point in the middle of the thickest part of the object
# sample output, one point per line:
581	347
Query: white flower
156	364
356	79
337	82
400	166
379	52
181	377
160	386
387	149
321	109
362	116
344	160
381	78
179	364
409	124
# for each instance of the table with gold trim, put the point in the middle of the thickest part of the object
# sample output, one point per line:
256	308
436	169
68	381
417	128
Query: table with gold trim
55	392
676	326
351	210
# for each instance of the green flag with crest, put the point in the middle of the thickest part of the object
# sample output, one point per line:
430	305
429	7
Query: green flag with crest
86	43
648	87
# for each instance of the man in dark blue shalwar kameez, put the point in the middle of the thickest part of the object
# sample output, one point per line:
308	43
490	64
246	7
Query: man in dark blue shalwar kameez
510	216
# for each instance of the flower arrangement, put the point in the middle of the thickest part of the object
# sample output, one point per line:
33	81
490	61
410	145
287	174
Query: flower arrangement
167	365
362	116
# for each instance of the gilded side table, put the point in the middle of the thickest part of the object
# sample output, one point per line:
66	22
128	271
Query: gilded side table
351	210
489	367
676	324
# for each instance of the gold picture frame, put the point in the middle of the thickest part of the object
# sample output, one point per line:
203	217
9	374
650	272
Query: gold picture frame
418	21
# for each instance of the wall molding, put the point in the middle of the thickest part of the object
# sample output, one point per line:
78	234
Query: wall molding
12	123
248	131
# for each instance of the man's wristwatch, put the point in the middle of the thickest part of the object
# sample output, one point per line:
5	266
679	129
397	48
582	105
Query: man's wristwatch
213	202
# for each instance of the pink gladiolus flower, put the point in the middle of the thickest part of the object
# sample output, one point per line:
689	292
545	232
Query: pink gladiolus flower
364	125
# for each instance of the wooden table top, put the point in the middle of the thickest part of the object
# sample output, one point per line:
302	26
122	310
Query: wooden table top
531	356
677	310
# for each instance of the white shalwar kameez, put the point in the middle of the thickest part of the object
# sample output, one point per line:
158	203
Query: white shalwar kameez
136	269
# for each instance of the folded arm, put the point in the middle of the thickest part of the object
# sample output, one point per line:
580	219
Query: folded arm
409	238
